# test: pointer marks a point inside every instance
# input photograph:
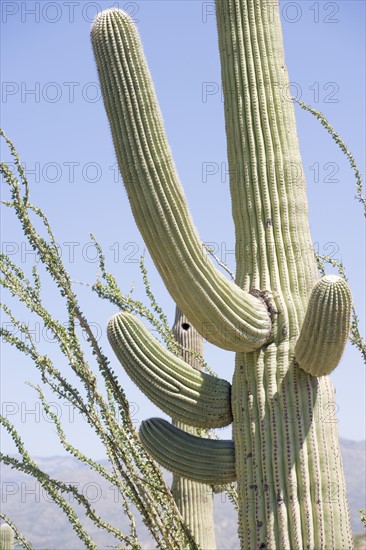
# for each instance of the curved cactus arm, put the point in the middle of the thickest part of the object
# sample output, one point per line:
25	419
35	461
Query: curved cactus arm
208	461
326	326
221	312
190	396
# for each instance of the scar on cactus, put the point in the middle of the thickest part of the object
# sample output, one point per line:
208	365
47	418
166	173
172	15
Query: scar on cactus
288	334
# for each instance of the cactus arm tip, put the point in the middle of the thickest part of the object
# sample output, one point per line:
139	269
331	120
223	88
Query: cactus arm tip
326	326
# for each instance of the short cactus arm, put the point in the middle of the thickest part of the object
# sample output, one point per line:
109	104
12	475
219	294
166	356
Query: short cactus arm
223	313
326	326
190	396
208	461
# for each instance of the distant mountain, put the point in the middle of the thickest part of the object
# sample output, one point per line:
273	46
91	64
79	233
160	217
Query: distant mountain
46	526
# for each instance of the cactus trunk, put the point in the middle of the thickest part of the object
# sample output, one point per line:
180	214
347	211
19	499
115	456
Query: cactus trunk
288	462
195	503
290	478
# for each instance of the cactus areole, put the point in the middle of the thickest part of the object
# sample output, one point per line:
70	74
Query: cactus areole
287	327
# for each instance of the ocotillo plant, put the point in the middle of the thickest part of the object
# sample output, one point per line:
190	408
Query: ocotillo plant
288	327
194	500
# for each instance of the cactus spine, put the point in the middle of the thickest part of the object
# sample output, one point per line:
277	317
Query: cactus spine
292	492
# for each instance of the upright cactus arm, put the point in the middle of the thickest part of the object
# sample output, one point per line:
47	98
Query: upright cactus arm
326	326
190	396
221	311
209	461
273	243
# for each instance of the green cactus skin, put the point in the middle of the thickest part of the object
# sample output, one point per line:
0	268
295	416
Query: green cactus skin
208	461
326	327
222	312
194	500
190	396
292	493
6	537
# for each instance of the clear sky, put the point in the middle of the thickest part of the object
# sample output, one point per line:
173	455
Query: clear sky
51	108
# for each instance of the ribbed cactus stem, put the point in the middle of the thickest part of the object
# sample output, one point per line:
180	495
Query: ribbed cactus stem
288	459
326	326
6	537
209	461
194	500
190	396
221	311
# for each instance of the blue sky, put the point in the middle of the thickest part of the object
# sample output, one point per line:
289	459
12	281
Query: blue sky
52	110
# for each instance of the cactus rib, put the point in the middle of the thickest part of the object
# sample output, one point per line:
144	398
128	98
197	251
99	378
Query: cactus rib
326	326
190	396
209	461
219	310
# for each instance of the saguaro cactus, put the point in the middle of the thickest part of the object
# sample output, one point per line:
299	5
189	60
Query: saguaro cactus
287	327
